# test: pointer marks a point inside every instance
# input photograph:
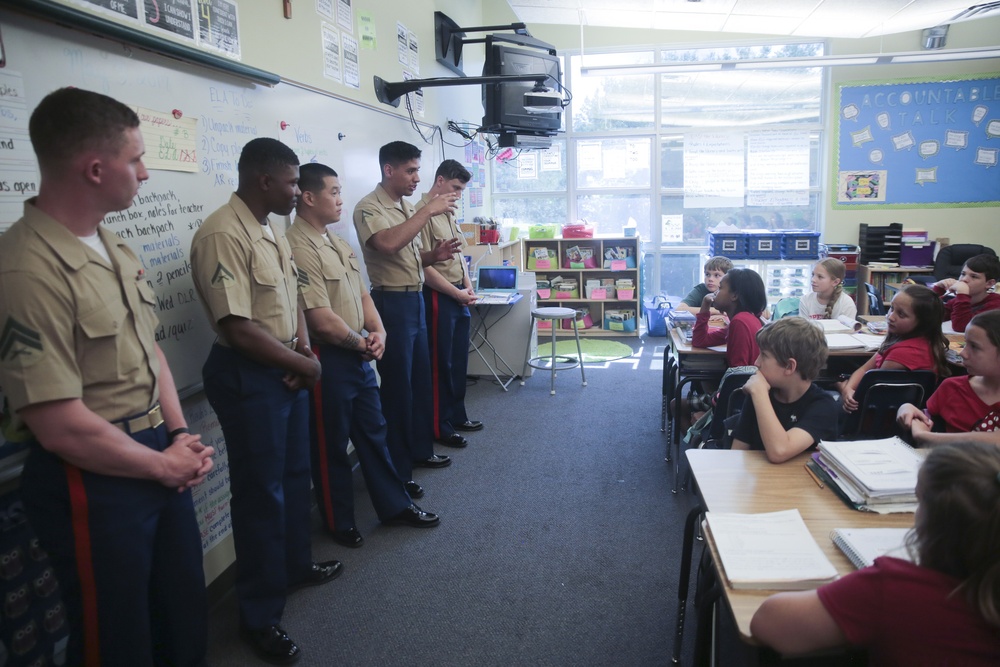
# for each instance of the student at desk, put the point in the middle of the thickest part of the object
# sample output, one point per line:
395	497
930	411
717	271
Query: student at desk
787	413
971	291
914	341
968	406
944	610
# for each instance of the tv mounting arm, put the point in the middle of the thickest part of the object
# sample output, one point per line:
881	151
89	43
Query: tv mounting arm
389	93
449	38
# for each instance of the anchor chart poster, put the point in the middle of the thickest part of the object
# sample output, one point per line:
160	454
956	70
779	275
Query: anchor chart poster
918	143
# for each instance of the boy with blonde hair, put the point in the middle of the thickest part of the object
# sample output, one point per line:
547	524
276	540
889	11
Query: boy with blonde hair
786	413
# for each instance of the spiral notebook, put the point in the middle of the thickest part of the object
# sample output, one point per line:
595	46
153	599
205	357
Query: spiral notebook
863	545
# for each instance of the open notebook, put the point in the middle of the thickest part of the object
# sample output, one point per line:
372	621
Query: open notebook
863	545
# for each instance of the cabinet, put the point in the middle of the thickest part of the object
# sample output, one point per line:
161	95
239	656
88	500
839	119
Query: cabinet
600	267
507	253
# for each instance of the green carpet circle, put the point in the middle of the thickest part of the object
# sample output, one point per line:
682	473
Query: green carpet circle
594	349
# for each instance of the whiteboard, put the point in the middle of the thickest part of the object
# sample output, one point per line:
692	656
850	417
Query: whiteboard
229	111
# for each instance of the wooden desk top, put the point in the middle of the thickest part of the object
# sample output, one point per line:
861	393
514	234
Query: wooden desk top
745	482
684	347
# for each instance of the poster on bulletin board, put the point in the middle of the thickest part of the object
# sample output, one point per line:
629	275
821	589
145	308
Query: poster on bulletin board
915	143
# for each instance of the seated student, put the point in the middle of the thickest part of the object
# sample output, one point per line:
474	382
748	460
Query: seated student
742	298
968	406
715	269
913	342
971	290
786	413
944	610
827	300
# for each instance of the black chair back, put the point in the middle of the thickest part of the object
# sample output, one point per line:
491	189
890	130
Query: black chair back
874	300
728	402
879	395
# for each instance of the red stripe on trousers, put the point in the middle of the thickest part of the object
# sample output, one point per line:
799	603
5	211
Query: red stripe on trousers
324	464
84	564
435	370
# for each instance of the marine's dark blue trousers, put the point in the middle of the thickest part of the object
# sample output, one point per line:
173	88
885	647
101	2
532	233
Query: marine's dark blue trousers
266	428
405	370
448	325
127	554
345	405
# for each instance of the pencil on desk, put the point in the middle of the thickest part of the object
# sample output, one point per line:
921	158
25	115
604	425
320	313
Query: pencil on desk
815	478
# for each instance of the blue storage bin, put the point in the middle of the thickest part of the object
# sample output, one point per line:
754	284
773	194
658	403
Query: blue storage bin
764	246
728	244
800	245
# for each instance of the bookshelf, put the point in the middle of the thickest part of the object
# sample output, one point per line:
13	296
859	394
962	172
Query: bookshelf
596	265
878	276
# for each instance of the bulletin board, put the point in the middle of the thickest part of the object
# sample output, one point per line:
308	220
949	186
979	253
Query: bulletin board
917	143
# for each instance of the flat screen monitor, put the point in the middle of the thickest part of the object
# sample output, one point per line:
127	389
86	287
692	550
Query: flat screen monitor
503	103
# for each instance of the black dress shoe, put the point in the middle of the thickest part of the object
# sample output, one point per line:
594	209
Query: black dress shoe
469	426
321	573
348	538
271	644
414	516
436	461
453	440
414	489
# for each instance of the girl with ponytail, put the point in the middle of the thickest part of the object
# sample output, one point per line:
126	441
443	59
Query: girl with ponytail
827	300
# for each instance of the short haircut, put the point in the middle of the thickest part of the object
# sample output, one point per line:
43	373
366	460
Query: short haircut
989	322
986	264
396	153
451	169
70	121
312	175
795	338
957	528
749	287
264	155
718	263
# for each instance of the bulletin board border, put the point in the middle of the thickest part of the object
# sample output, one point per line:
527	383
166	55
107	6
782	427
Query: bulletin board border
838	127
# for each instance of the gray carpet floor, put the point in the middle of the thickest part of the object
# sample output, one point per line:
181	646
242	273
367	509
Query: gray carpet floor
558	544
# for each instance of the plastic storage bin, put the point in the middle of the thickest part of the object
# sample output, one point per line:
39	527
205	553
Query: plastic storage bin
728	244
542	232
800	245
917	254
764	246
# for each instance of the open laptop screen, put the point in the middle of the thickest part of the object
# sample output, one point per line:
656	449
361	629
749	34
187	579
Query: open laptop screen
496	279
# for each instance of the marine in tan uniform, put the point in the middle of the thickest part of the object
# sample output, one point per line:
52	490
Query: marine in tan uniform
448	294
388	229
256	378
346	333
81	369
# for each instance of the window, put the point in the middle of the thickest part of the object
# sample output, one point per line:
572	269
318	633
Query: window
622	158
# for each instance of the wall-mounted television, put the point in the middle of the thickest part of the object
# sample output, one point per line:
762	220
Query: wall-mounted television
503	103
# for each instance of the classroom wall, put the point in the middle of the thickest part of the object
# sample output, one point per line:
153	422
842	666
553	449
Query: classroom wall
841	226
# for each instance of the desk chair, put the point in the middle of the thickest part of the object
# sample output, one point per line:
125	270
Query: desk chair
879	395
555	362
729	400
874	300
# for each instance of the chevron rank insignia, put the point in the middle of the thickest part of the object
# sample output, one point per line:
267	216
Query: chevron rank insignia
223	277
304	284
20	346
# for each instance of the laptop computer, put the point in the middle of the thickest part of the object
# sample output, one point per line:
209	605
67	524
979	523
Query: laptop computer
496	284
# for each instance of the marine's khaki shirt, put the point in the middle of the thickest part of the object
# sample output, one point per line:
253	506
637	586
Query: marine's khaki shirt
238	270
329	273
73	326
374	213
444	227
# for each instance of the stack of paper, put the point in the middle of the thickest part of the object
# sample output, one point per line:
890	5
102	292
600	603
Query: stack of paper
873	472
844	341
772	551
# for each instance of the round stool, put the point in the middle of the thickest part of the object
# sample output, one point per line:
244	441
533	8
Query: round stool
555	362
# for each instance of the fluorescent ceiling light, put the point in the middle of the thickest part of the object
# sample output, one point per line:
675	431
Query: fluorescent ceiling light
676	67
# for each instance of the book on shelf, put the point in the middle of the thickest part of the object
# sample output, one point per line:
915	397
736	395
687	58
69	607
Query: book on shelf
881	470
863	545
771	551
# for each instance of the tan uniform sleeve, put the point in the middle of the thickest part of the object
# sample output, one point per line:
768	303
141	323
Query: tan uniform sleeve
312	289
223	272
37	360
369	218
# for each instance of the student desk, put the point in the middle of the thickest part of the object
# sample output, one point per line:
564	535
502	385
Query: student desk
745	482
